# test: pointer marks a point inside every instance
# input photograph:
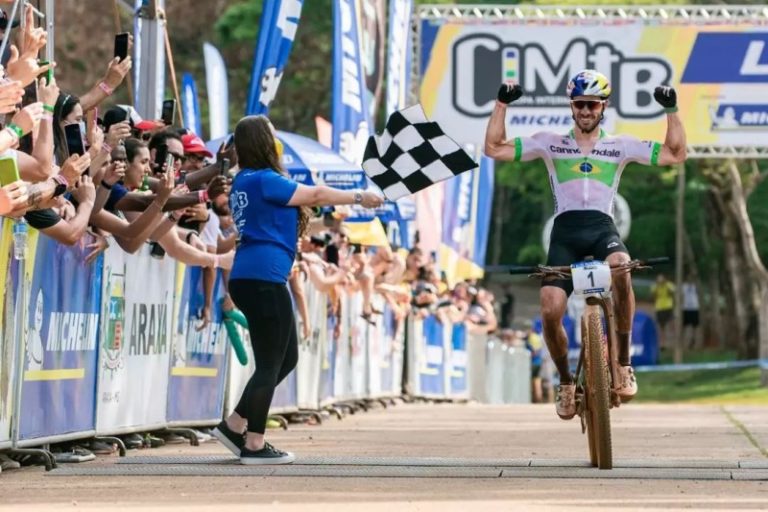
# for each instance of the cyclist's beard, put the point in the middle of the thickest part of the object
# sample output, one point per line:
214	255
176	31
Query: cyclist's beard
589	128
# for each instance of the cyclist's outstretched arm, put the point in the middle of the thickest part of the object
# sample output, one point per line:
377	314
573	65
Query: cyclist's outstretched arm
496	145
673	151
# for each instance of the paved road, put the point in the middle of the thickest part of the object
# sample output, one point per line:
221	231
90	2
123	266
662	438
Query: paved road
646	438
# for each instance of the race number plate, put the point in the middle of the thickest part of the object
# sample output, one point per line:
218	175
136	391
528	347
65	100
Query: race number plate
591	277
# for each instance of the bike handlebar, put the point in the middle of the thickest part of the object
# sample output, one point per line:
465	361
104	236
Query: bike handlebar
541	269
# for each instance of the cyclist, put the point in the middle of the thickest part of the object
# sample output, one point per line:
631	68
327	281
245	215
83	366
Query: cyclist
584	169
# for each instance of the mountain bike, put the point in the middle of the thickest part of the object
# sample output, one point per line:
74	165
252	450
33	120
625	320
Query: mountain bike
597	379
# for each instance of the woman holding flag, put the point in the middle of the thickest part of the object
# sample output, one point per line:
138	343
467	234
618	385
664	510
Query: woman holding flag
270	211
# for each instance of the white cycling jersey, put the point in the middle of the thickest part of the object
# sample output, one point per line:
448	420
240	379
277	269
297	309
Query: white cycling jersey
585	182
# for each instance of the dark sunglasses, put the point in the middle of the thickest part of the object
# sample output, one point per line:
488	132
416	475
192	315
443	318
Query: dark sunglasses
590	104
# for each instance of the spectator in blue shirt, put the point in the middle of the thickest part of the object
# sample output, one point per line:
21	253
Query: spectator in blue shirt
269	210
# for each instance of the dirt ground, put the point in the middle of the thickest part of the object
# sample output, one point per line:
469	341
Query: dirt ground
659	432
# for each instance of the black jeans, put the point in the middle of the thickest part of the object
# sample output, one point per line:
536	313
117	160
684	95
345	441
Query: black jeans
267	307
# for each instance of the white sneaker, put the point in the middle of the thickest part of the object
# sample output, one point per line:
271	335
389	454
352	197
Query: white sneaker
565	401
627	383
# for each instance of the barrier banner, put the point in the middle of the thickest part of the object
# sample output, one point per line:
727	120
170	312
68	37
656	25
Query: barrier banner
477	367
9	281
458	367
199	358
328	363
394	342
432	368
464	61
342	385
61	329
136	336
494	384
377	353
517	375
310	349
358	347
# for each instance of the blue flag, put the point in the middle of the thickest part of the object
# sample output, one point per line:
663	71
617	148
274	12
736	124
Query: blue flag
399	54
279	21
351	117
190	105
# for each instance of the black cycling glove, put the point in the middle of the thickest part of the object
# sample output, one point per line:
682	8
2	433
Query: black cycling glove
666	97
509	93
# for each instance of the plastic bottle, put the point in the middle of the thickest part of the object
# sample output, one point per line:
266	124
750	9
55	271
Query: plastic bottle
20	235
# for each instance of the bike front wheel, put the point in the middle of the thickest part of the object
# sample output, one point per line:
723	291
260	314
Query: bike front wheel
597	392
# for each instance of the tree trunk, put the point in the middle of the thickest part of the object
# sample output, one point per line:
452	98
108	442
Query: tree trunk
712	320
499	209
754	264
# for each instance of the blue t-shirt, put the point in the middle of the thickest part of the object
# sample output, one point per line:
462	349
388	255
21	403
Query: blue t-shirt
267	226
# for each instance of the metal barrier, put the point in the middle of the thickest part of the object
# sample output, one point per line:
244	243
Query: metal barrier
508	377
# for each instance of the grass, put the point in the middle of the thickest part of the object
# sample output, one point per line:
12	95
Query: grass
723	387
732	386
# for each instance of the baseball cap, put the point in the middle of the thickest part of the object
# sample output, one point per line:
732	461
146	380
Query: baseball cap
4	20
194	144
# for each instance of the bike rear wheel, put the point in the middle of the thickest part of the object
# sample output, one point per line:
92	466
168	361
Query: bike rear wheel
597	393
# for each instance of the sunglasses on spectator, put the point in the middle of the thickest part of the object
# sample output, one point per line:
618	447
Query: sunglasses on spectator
590	104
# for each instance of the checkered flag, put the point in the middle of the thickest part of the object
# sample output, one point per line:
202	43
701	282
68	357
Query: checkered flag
412	154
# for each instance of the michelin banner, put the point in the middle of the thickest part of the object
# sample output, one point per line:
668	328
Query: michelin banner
720	71
62	333
135	343
199	357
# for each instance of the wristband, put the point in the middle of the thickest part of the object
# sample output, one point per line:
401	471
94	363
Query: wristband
106	88
49	108
189	235
670	110
61	185
202	196
502	104
16	129
106	185
47	117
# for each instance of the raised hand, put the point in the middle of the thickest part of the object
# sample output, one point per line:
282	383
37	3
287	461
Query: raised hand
509	93
84	191
47	93
117	71
74	167
11	94
25	68
29	117
665	96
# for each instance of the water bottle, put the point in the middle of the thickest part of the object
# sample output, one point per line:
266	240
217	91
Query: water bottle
20	233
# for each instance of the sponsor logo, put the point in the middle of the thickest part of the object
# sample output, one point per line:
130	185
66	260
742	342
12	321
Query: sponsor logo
112	347
729	116
564	151
612	245
149	333
540	120
544	74
741	57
